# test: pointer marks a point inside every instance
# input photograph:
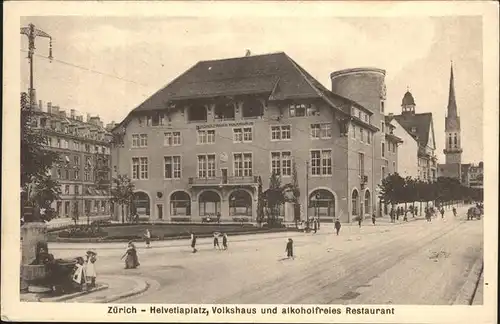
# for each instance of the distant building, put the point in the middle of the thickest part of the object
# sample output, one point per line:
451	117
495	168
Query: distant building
84	150
476	174
198	146
416	131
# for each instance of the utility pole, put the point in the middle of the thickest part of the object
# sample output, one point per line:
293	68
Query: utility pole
307	196
31	32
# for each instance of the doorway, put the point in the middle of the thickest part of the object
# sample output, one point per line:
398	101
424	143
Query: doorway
224	175
159	210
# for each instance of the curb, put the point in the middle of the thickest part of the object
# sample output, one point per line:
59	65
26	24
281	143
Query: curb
468	291
142	287
73	295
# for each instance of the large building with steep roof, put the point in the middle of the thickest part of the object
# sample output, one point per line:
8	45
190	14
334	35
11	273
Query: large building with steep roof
420	128
199	146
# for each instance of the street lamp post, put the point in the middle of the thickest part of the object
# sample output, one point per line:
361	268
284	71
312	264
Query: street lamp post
31	32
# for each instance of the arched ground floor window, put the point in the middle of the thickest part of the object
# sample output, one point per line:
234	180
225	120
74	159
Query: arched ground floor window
355	203
240	203
141	203
209	203
368	202
180	204
321	203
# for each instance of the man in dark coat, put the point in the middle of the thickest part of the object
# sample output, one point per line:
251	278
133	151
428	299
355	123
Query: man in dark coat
373	218
337	226
289	248
193	242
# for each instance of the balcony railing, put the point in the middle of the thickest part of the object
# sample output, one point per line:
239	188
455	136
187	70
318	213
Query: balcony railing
223	181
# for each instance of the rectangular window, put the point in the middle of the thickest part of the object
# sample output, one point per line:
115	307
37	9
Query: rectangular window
361	164
172	167
383	149
206	166
77	175
276	162
242	134
135	140
139	140
86	176
382	106
172	139
281	163
148	120
139	168
315	131
242	164
326	162
383	172
237	135
382	128
321	162
326	130
77	189
369	137
280	133
66	189
301	110
361	135
353	131
144	167
394	166
206	136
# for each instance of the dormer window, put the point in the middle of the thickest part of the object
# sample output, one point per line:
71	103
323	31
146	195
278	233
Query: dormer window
302	110
252	108
224	111
197	113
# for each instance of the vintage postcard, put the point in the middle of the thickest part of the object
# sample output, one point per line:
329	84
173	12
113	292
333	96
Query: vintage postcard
250	162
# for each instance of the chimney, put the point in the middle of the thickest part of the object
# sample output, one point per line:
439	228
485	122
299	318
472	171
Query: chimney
40	105
72	114
49	107
55	110
88	118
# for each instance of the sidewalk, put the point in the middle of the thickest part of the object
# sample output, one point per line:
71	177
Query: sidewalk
109	289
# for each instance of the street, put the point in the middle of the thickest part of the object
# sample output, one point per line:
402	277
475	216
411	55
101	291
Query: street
411	263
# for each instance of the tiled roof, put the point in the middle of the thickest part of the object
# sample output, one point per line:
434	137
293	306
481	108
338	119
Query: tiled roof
275	75
421	122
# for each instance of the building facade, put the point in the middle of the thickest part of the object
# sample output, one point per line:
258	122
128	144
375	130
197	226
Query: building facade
421	128
85	158
407	150
201	145
476	174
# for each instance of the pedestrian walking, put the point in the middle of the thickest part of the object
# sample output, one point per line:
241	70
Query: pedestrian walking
216	240
373	219
147	236
218	217
224	241
454	212
337	226
392	214
132	259
289	249
360	220
405	216
319	222
193	242
90	271
416	211
315	226
442	212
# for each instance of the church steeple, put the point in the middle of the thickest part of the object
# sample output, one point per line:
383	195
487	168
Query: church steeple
453	144
452	103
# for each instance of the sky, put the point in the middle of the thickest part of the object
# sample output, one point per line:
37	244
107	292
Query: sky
108	66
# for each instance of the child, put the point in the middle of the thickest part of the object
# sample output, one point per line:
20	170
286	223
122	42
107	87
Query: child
147	235
193	242
90	268
216	240
224	241
289	249
79	276
337	226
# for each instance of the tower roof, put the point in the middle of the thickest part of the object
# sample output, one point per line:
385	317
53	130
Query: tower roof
408	99
452	104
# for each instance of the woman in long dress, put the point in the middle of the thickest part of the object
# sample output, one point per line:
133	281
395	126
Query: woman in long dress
131	260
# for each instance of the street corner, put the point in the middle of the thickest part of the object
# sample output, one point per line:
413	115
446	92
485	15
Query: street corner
118	287
66	297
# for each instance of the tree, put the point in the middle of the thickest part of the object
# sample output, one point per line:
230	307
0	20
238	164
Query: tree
391	189
122	192
36	161
274	198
